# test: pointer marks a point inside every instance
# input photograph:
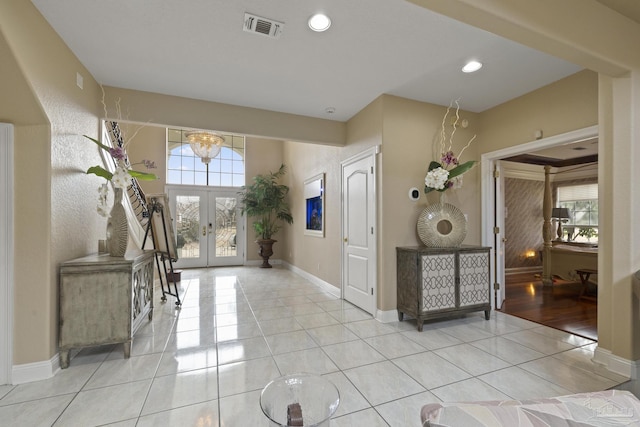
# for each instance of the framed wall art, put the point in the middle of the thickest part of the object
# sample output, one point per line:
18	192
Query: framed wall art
314	205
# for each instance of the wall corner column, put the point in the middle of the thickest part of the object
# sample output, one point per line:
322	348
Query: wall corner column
619	230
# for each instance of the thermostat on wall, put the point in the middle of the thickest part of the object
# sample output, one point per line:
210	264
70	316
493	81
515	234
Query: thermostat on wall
414	194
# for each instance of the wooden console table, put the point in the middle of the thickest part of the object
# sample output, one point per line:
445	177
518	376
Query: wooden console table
440	282
103	300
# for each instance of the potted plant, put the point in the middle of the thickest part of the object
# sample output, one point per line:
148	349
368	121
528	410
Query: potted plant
588	232
265	200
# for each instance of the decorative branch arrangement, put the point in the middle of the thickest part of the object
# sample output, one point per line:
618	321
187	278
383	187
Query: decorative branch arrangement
448	172
121	177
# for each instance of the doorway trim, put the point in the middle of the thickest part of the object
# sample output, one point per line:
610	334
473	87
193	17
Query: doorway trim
6	252
487	164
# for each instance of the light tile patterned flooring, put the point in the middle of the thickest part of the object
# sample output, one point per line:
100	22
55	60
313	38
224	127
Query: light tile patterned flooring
239	328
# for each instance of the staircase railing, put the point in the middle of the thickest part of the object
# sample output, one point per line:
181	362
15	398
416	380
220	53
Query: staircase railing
137	211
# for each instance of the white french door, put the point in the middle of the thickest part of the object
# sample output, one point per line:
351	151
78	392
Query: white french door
208	226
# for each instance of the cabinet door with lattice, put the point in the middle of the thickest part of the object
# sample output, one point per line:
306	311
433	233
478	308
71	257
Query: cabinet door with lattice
474	278
438	281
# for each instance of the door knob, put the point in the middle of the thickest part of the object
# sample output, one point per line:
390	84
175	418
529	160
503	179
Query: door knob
204	230
346	240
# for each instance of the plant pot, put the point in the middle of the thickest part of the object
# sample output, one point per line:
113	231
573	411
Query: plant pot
266	250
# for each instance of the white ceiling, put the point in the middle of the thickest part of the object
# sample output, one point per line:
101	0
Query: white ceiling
198	49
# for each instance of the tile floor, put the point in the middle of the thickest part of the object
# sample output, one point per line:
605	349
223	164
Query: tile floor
239	328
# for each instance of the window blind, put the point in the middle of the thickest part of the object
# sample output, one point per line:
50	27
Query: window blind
578	192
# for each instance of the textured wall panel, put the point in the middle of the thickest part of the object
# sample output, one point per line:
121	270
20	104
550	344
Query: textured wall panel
474	274
438	281
523	223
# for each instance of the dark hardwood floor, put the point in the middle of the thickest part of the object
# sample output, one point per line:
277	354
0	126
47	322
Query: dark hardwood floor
557	306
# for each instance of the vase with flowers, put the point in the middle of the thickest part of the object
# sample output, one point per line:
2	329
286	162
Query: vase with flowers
117	226
443	224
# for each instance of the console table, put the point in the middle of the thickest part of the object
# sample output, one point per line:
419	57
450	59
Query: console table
103	300
439	282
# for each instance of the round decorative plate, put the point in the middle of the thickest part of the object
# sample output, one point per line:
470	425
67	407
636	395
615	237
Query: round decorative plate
442	225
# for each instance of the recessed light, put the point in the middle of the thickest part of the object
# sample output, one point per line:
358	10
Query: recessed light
319	22
471	67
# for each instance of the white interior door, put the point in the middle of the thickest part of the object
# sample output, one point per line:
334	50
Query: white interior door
358	231
499	236
6	252
208	227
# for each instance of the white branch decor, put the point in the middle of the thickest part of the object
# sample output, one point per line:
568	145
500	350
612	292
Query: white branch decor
447	173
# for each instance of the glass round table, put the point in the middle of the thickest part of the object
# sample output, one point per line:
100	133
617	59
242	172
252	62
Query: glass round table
300	400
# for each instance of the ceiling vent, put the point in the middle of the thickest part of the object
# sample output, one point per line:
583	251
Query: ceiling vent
263	26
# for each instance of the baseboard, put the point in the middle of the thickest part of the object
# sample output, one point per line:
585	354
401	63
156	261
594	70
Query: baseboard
257	263
36	371
328	287
617	364
518	270
387	316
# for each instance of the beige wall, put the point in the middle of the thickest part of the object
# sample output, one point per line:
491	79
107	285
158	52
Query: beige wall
619	235
319	256
568	104
410	143
264	156
145	142
55	217
34	288
153	108
24	108
523	223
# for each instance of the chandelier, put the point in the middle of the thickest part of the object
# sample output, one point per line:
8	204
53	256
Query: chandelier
205	145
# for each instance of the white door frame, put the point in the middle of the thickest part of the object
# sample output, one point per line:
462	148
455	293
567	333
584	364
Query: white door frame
370	152
487	164
6	252
499	237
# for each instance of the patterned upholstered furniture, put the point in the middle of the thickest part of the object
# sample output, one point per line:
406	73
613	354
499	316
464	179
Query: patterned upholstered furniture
602	408
440	282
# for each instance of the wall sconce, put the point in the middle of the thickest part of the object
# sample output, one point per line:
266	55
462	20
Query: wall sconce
562	215
530	254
